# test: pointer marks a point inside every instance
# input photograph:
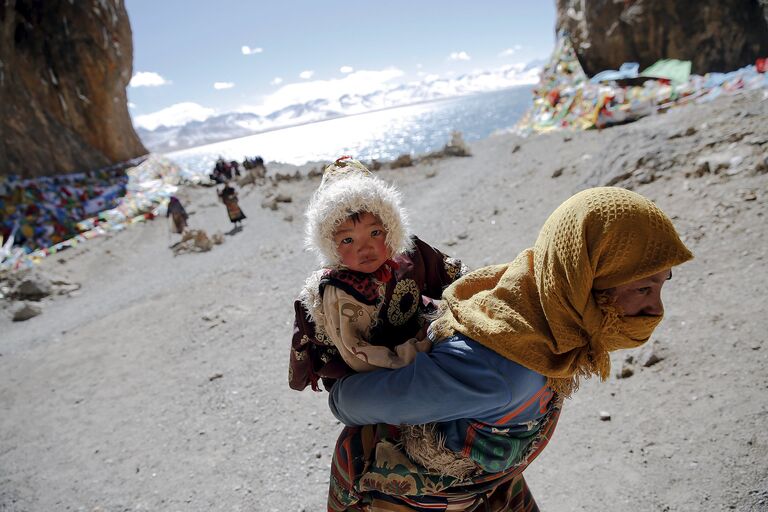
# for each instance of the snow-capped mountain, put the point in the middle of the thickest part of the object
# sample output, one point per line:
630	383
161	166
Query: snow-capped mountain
240	124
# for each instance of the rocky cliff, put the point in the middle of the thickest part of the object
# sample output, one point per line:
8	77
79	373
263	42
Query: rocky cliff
64	67
715	35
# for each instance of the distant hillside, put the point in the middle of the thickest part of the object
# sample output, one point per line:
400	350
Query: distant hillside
240	124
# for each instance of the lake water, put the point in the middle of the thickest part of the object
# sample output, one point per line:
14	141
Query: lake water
382	135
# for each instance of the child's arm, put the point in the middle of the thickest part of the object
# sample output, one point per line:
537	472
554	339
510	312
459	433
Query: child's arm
440	270
348	324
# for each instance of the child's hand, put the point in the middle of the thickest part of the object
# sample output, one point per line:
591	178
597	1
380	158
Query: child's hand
424	345
430	306
423	332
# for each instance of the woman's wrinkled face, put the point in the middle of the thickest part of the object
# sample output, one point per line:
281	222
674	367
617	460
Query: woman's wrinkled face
641	297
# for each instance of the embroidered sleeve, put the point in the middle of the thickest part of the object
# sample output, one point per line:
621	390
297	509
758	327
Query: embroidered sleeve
348	324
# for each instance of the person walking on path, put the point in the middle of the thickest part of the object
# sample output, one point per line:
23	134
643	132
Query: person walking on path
178	215
228	196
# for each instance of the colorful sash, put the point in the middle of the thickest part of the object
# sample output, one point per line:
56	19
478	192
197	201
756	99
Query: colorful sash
361	482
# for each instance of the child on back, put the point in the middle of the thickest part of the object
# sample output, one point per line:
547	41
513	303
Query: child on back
364	309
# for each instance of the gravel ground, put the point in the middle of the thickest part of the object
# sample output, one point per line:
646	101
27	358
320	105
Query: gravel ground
161	383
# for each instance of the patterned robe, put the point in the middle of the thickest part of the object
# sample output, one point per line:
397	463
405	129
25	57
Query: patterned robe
422	272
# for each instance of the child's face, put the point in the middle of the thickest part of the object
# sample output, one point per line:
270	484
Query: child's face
362	244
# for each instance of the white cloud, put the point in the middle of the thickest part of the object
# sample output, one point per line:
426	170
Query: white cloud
459	56
510	51
147	79
346	69
175	115
306	75
131	104
223	85
276	81
247	50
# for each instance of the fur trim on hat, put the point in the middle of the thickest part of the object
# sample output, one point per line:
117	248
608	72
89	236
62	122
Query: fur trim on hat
352	192
312	300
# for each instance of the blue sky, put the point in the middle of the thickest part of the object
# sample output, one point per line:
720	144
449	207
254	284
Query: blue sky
195	58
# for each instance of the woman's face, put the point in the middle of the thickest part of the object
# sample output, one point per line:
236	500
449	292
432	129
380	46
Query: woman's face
641	297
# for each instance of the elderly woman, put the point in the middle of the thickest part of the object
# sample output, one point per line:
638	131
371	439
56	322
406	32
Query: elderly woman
514	340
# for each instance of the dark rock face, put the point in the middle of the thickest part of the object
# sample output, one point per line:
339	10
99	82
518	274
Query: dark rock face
64	67
715	35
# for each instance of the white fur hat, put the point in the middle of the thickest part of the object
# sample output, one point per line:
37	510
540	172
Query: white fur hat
348	187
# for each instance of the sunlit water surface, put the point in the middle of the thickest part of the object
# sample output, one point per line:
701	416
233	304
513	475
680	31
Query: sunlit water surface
382	135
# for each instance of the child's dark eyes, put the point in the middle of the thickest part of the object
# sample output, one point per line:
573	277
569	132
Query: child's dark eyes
376	232
346	241
645	290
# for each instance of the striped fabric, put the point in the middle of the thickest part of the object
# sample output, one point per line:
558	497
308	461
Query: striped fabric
406	487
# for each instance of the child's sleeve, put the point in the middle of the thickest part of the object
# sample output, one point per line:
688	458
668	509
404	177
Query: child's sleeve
348	324
440	270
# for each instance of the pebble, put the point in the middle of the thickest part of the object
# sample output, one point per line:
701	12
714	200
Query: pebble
625	372
649	355
605	416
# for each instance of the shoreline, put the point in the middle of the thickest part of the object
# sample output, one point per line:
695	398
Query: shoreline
354	115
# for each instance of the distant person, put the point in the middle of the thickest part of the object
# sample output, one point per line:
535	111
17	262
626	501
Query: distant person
178	215
252	163
218	172
364	309
456	429
222	171
228	196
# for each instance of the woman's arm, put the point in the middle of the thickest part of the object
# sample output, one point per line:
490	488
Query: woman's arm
453	381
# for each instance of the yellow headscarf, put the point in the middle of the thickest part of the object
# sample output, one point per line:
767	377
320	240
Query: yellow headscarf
540	310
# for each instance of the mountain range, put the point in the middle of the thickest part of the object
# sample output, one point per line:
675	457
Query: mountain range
232	125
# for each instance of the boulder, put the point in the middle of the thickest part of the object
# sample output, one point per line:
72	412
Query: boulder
715	35
25	312
457	146
269	202
64	67
34	288
404	160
